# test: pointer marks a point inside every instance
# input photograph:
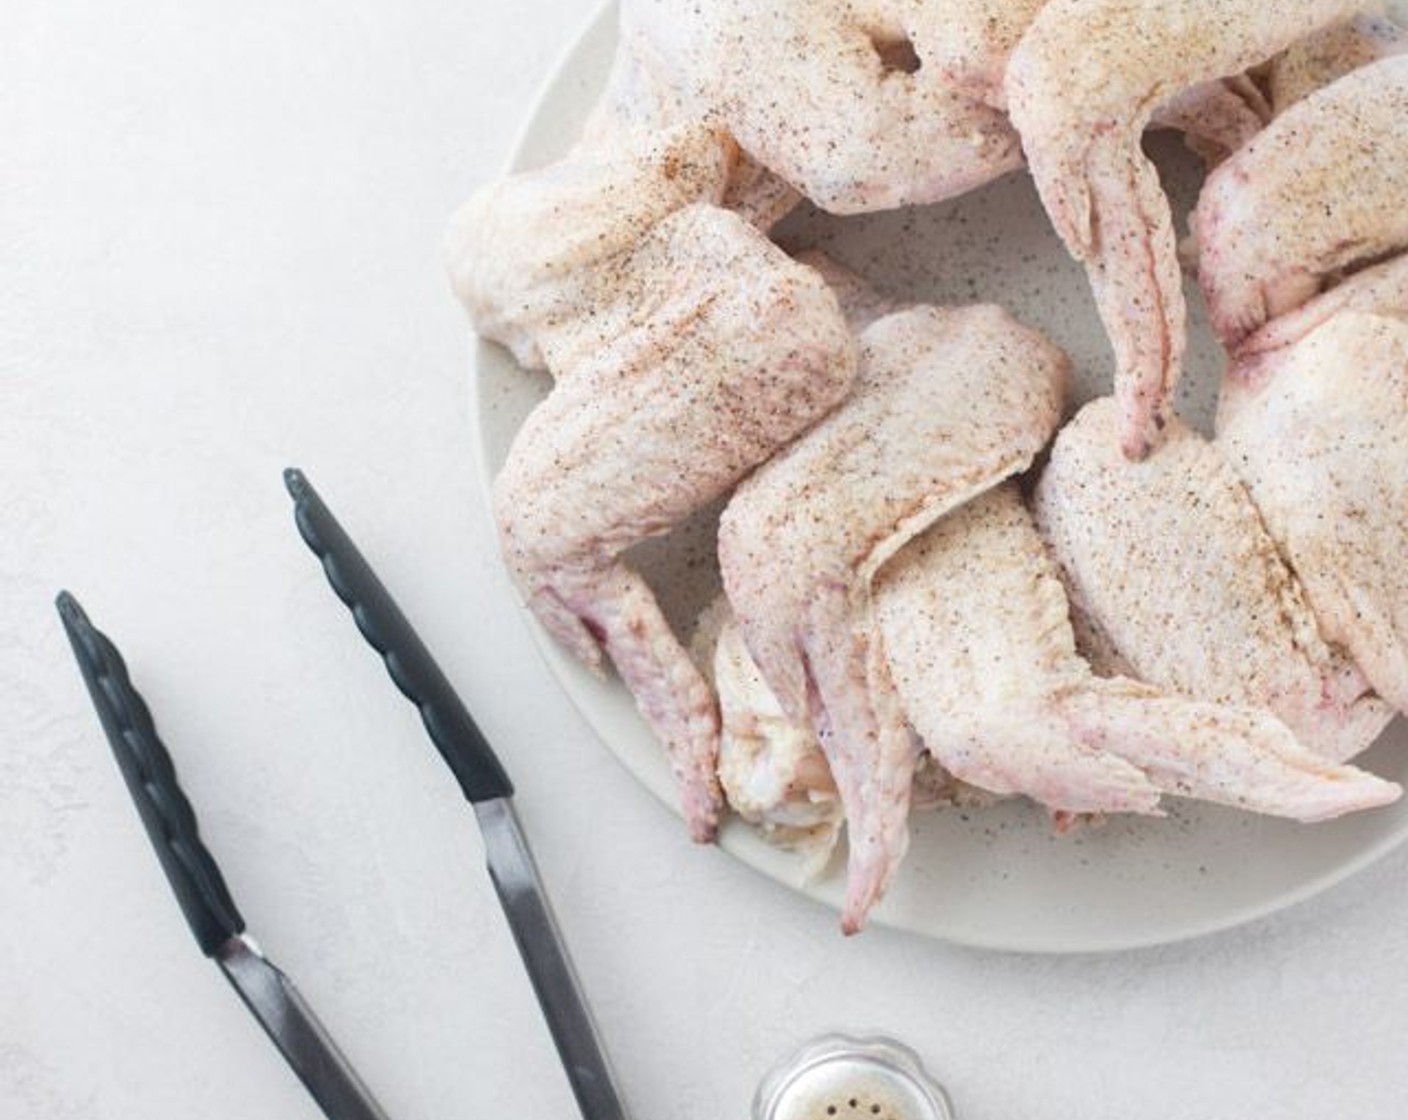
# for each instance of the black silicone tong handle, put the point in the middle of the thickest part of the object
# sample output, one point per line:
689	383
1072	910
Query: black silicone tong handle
151	780
452	729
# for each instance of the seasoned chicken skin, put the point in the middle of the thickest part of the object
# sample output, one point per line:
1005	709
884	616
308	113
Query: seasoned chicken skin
720	351
977	633
837	98
980	647
526	254
860	303
860	107
1168	564
643	99
970	41
1330	54
1379	290
1321	441
1081	86
1323	188
1314	415
947	403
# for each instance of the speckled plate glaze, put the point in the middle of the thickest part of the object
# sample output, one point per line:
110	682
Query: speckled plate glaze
996	878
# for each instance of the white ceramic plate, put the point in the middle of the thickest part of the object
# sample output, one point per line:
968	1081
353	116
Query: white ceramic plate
996	878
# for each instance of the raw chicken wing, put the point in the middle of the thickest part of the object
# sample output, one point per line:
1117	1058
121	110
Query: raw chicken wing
1321	441
970	42
643	99
722	351
1380	290
1323	188
1081	87
833	96
860	303
1169	566
525	252
772	768
979	642
979	645
948	403
1330	54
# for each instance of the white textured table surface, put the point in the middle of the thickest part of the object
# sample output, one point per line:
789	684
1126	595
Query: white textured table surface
219	254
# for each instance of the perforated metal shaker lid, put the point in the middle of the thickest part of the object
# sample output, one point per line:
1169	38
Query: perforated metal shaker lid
839	1078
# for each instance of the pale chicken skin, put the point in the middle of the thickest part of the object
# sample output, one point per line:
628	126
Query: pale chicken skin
1312	416
947	404
643	98
1381	289
524	253
1321	189
859	107
860	303
836	98
1321	441
1169	565
1081	87
1330	54
978	637
972	41
721	350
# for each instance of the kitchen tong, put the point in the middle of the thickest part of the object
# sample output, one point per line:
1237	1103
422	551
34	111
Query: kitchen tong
204	898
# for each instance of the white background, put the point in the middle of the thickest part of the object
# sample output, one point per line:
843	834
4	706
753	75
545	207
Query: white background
219	255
